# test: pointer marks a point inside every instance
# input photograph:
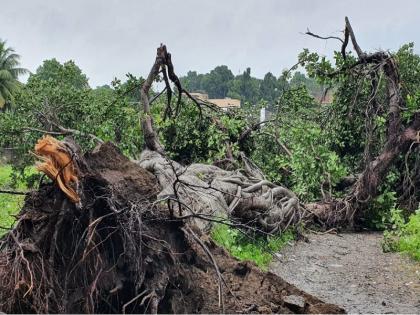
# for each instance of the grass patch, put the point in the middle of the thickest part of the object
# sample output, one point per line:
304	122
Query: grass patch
10	204
405	236
409	241
259	250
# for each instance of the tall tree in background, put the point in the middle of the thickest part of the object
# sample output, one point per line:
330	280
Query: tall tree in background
245	87
216	83
314	88
9	73
269	88
67	73
192	81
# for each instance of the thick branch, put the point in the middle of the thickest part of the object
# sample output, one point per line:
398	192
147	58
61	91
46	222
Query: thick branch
356	46
150	136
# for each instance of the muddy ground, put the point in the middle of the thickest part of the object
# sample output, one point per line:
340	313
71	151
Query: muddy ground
351	270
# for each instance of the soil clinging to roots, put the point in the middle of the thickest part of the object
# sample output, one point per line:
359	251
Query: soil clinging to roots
118	250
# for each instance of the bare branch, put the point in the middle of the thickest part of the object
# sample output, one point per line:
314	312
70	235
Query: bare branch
308	32
356	46
150	136
12	192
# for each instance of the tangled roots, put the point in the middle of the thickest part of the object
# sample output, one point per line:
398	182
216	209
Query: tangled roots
201	190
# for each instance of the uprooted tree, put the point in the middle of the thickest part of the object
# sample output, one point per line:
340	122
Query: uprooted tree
113	235
98	239
106	235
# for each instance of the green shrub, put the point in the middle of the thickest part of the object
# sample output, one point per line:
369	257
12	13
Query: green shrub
409	241
383	213
403	236
259	249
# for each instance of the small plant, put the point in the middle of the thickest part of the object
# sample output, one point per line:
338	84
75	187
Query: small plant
383	213
394	231
259	249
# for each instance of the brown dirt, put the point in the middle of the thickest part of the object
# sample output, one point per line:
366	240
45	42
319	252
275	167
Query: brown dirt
120	251
352	271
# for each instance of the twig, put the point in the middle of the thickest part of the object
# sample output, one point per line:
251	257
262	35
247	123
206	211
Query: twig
216	267
12	192
156	96
132	300
308	32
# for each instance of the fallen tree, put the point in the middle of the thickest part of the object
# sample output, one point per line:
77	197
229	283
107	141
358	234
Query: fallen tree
208	192
245	195
133	238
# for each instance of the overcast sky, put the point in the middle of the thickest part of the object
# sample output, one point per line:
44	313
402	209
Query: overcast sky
108	38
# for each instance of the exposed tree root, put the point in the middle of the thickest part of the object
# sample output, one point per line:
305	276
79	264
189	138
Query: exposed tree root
119	250
204	191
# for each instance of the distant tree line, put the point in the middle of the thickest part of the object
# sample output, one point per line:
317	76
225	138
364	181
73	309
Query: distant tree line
221	82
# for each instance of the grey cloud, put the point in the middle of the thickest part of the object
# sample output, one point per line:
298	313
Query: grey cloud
110	38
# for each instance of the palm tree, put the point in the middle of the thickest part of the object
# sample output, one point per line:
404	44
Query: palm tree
9	73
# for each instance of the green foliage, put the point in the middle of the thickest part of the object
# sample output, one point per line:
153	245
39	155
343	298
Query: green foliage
294	150
190	137
269	88
66	74
217	82
356	124
409	66
245	87
307	147
410	237
10	204
259	249
382	211
59	94
9	73
220	82
403	236
349	118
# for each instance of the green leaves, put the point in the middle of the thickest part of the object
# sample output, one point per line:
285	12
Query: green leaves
66	74
403	236
9	73
60	93
192	138
294	150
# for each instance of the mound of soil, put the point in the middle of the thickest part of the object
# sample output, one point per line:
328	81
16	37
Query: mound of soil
119	251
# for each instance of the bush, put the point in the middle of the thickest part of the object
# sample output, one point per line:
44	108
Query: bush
404	237
409	241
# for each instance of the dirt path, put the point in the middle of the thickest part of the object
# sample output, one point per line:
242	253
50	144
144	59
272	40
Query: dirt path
352	271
